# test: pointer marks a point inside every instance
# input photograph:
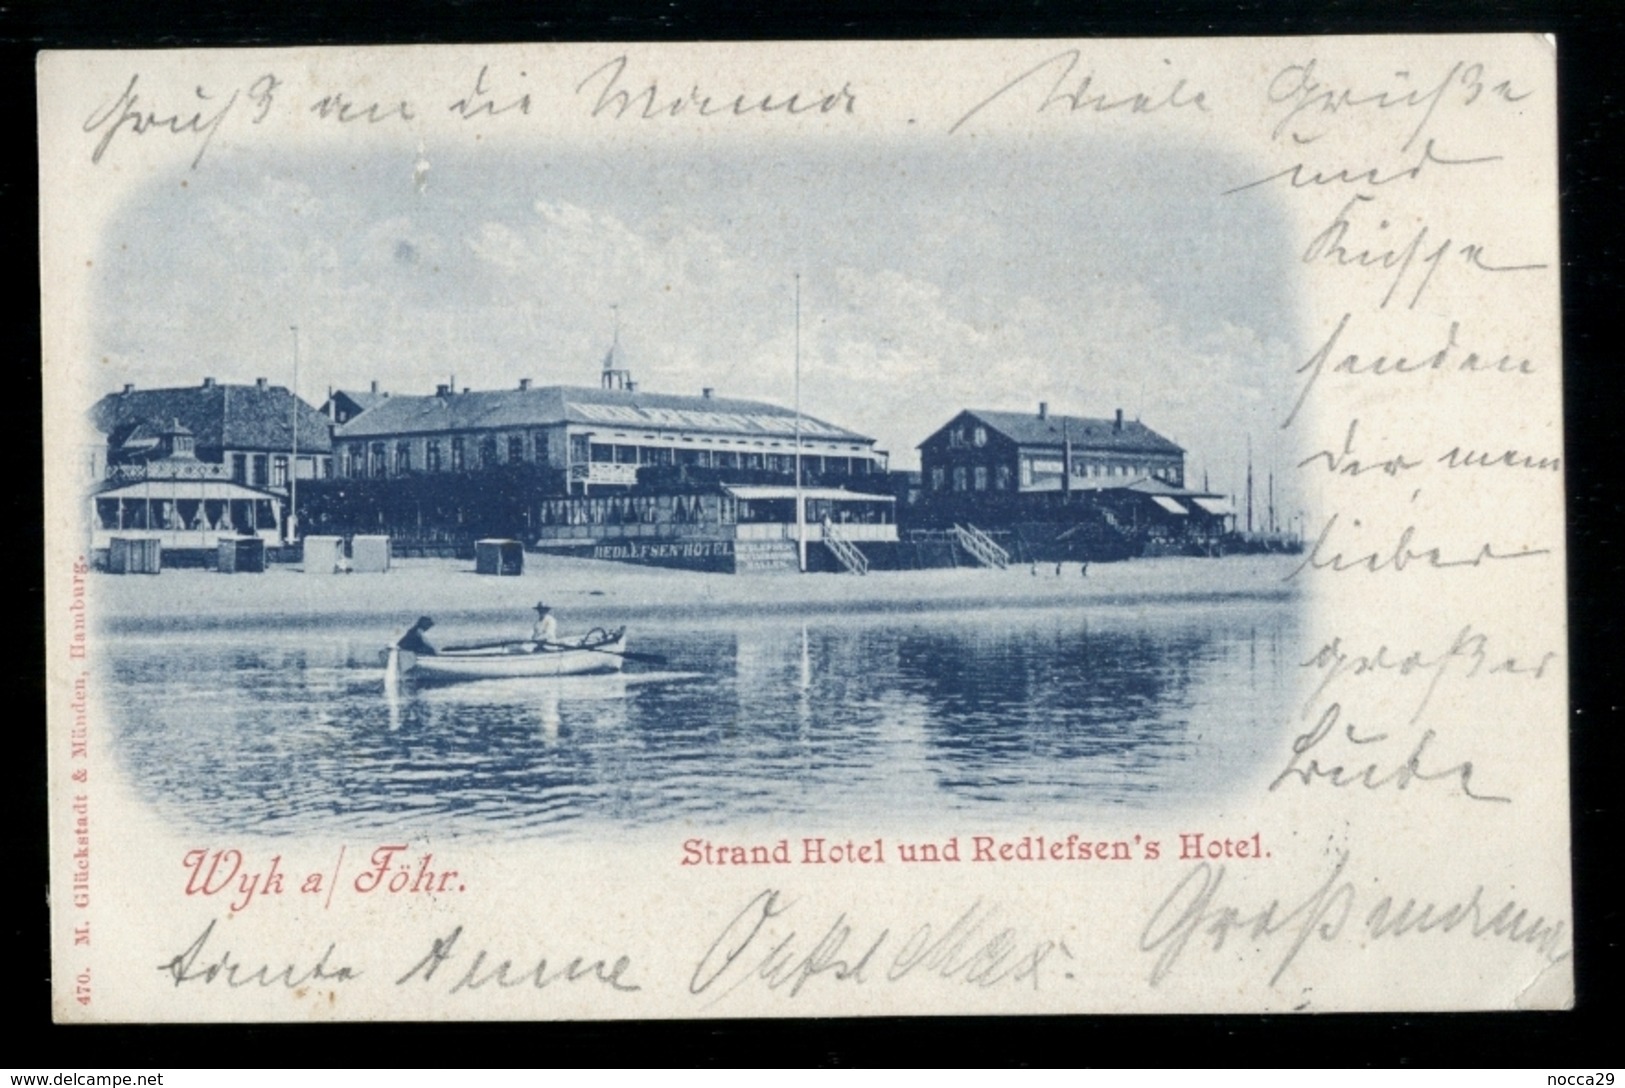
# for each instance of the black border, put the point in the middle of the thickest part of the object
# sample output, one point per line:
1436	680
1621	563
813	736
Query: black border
1591	54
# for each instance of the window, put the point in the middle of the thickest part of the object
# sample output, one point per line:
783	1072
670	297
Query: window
959	477
937	478
980	479
403	458
981	436
239	468
488	451
457	461
431	455
538	447
258	470
279	471
578	448
376	464
516	448
1001	477
602	452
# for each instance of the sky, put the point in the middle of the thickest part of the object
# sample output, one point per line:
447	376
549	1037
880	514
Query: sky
1086	272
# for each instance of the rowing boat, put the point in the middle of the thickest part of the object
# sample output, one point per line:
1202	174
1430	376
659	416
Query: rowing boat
596	651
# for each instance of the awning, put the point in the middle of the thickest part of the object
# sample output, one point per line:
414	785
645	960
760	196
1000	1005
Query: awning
1221	507
835	494
1169	504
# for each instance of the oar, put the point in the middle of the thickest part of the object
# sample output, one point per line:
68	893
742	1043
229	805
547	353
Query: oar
651	659
493	645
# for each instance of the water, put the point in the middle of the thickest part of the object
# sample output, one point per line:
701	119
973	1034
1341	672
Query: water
1004	717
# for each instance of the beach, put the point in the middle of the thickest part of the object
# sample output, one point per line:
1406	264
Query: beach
586	592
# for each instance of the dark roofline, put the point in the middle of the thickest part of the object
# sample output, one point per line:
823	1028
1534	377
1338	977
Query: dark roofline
1132	435
368	425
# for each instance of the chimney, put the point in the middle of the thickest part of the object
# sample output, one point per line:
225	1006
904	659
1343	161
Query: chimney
524	385
1043	409
259	383
442	390
465	388
1119	425
707	392
631	386
375	385
208	383
129	387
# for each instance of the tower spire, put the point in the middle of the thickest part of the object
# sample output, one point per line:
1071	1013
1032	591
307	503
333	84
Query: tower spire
616	374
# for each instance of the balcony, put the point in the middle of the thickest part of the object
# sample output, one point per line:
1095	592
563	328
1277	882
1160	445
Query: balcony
167	469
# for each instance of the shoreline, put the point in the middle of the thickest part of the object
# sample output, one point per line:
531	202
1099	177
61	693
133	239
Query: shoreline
594	592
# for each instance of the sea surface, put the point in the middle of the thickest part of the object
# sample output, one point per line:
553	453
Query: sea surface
1004	717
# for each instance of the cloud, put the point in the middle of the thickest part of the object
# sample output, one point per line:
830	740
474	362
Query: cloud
963	292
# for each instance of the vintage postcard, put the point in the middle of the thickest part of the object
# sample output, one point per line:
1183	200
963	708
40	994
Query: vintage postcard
633	531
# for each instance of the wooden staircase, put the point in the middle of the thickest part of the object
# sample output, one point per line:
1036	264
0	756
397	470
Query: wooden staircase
846	552
981	546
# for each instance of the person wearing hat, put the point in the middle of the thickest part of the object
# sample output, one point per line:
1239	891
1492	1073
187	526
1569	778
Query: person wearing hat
546	628
414	641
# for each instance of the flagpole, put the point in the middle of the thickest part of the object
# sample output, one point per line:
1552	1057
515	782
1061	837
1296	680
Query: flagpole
293	463
801	513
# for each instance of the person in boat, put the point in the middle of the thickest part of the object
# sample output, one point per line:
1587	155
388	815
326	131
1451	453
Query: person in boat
546	628
414	640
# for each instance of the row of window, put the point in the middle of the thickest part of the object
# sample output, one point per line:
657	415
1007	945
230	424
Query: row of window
457	453
963	436
974	478
979	477
271	470
197	515
637	510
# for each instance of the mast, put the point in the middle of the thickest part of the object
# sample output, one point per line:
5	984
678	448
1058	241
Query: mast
801	513
293	462
1249	483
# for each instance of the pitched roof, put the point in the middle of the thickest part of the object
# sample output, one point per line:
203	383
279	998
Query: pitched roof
493	409
361	400
219	416
1027	429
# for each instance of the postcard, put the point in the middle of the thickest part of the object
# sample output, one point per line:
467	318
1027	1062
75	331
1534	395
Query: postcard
609	531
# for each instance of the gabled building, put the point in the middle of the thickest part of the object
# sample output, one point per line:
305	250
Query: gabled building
613	472
344	405
980	451
170	496
599	438
249	431
1065	486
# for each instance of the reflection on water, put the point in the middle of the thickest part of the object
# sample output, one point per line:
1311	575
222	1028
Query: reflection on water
1009	716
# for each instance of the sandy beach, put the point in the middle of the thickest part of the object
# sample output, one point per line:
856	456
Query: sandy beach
588	591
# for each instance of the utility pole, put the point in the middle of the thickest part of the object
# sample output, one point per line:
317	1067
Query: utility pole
293	462
1249	483
801	513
